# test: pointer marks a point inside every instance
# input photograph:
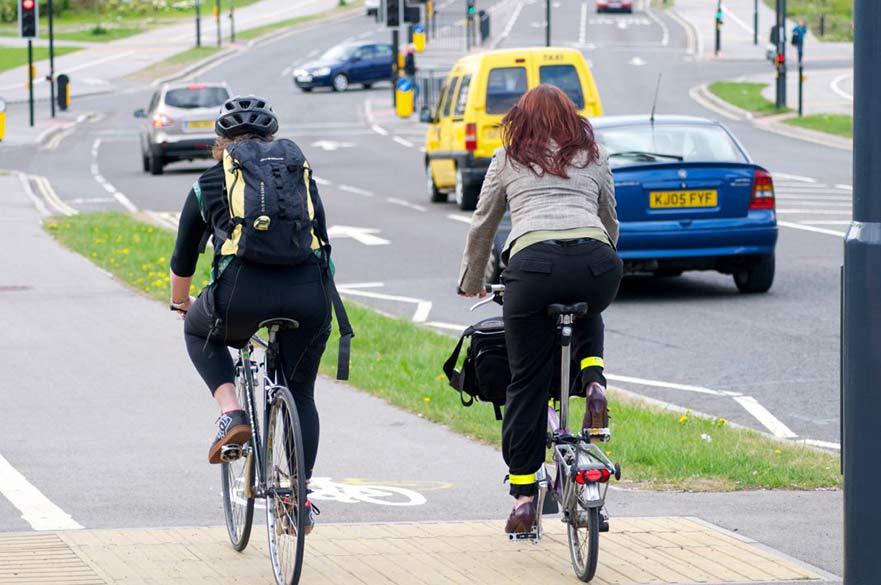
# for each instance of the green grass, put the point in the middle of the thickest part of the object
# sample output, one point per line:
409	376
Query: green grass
838	124
400	362
174	63
259	31
839	17
11	57
96	34
747	96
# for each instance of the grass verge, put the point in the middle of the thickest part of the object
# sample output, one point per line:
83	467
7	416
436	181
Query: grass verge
174	64
747	96
837	124
12	57
401	363
838	16
259	31
98	34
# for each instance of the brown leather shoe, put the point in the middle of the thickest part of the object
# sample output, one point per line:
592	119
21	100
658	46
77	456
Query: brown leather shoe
596	414
522	519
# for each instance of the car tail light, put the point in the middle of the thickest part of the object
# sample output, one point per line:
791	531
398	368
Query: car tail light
471	137
196	86
763	191
593	476
162	121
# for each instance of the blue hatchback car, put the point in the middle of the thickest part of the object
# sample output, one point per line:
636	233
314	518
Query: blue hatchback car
688	198
344	65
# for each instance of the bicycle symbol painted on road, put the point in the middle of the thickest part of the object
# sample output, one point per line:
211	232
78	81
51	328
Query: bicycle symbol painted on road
365	491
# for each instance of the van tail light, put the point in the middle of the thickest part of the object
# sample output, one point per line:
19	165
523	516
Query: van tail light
162	121
593	476
470	137
763	191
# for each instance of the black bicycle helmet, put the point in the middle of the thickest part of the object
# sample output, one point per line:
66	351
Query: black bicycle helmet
246	115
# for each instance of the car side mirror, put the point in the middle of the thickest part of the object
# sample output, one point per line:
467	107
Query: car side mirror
425	116
141	113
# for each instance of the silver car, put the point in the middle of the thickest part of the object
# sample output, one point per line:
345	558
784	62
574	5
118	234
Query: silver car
179	123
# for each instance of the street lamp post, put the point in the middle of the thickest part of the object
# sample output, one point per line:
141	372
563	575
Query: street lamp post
756	22
51	77
232	21
861	313
217	20
781	54
198	23
548	23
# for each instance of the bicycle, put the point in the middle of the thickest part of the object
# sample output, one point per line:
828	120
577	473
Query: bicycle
270	466
582	469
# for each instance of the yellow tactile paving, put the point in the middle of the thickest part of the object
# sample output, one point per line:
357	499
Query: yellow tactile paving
638	551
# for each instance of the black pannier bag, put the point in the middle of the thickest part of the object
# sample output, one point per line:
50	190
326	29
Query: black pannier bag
486	374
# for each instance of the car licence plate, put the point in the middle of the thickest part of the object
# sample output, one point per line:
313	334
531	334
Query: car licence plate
200	124
676	199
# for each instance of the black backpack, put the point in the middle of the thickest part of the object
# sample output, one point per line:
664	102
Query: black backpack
486	373
271	211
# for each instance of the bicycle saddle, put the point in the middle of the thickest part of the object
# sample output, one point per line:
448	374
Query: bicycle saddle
578	309
280	323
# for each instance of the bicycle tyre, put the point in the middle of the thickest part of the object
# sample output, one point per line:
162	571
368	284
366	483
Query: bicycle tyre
238	510
286	489
584	542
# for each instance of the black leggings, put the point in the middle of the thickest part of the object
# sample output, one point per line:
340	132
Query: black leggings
537	276
246	294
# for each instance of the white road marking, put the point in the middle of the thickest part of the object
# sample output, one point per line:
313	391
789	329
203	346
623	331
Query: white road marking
36	509
670	385
808	228
99	61
406	204
356	190
403	142
515	14
768	420
287	71
52	197
423	307
82	200
460	218
828	222
322	182
448	326
582	27
836	87
312	53
330	145
822	444
805	201
815	211
365	236
799	178
844	187
665	30
637	62
737	20
39	203
120	198
379	130
364	285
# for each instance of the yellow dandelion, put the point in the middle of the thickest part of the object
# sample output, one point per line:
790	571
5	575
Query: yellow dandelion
683	419
609	453
721	422
162	259
125	250
440	377
94	254
150	230
777	451
426	398
158	283
151	274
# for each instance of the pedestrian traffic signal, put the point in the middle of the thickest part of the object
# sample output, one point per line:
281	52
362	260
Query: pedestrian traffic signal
27	18
412	14
471	8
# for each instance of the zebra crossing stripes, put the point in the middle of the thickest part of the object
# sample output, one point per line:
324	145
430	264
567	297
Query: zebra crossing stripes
813	206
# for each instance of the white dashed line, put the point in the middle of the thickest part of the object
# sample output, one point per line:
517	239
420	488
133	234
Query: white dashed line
809	228
403	142
768	420
815	211
582	27
120	198
356	190
36	509
460	218
844	187
669	385
322	182
837	88
379	130
406	204
799	178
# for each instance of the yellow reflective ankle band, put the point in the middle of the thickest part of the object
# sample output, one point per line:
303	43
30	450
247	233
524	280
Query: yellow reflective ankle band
521	479
592	361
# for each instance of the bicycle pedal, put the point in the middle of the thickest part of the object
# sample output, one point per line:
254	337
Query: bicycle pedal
533	536
230	453
602	435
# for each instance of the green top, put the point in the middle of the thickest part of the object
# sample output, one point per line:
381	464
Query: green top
539	236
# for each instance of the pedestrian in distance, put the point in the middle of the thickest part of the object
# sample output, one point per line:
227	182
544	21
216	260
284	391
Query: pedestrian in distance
410	69
274	266
555	178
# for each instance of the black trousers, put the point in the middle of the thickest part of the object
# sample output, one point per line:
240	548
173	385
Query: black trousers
243	296
537	276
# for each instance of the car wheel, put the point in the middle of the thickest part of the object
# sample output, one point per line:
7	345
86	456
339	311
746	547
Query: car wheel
367	85
433	193
145	162
156	165
306	89
756	277
340	82
668	272
466	195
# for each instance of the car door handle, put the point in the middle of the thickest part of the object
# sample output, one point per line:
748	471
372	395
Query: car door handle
685	222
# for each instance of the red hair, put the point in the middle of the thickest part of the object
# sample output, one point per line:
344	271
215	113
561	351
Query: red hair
542	115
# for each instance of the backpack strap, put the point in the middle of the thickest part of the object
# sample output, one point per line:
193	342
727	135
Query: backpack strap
498	410
452	374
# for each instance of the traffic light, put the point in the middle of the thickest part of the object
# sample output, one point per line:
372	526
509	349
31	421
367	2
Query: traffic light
719	21
392	12
471	8
28	18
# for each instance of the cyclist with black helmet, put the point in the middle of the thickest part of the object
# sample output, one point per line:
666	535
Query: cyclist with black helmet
244	291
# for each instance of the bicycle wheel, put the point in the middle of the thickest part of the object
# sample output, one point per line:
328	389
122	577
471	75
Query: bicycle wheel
584	538
286	489
235	475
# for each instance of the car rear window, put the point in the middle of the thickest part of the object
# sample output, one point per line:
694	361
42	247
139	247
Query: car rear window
203	97
566	78
504	88
463	95
667	143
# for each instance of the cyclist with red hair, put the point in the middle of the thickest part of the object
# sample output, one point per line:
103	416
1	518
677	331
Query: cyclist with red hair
556	180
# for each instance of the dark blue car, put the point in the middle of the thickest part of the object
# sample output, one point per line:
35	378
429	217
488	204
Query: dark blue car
343	65
688	198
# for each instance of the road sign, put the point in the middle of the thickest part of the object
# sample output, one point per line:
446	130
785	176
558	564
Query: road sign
362	235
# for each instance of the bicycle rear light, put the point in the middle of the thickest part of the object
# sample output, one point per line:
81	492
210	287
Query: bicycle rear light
593	476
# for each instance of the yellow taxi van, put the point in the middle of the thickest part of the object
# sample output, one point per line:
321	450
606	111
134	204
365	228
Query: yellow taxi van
480	89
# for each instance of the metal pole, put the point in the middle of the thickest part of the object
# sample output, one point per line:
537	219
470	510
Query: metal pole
31	80
718	26
51	78
217	20
861	343
232	21
756	22
801	82
395	53
548	25
781	54
198	23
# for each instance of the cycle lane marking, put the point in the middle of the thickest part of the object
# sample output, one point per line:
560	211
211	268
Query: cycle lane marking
36	509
